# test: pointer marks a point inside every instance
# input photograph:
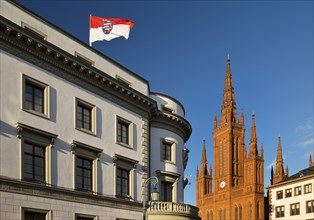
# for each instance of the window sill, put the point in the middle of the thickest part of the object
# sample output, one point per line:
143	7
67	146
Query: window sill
86	131
42	115
168	161
124	145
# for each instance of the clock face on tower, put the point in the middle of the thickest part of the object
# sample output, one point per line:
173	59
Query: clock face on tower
222	184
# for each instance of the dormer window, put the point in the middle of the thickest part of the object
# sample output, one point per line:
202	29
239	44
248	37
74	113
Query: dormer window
34	31
167	109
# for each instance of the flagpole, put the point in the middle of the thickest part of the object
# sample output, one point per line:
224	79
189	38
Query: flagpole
90	43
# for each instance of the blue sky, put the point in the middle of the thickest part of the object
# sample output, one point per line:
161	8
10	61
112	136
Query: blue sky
181	47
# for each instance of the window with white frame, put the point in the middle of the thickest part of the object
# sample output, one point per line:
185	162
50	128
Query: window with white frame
124	132
124	176
85	116
167	150
35	214
36	153
167	185
86	159
36	97
85	217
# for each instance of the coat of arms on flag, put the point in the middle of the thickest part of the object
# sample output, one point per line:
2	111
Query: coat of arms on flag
108	28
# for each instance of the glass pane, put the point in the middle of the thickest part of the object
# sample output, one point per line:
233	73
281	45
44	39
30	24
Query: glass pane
87	164
28	148
79	162
39	151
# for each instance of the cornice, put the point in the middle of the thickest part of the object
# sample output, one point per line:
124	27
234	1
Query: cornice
53	192
172	122
33	49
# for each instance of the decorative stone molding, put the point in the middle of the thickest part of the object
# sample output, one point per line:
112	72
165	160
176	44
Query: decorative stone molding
42	53
28	132
172	122
124	161
70	195
84	149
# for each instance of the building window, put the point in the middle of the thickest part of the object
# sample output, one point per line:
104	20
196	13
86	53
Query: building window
35	97
83	177
85	116
279	194
34	31
123	132
166	151
280	211
124	135
35	214
288	193
166	191
28	215
167	109
33	162
86	159
123	81
295	209
123	182
35	153
307	188
297	190
240	212
85	217
310	206
124	176
84	59
236	213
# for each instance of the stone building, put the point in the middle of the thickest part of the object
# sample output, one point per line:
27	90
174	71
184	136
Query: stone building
80	134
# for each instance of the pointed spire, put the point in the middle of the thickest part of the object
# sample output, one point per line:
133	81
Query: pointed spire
262	151
279	173
211	170
197	173
204	160
228	109
253	141
287	171
242	118
215	120
310	161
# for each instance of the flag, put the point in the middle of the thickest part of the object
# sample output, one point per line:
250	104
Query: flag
108	28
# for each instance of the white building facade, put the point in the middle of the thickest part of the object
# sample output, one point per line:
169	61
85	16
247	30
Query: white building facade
78	130
293	198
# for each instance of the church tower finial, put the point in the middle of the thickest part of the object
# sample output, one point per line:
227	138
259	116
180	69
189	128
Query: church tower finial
228	109
310	161
204	170
279	173
253	140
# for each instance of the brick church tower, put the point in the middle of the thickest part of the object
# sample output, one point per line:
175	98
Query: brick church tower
236	188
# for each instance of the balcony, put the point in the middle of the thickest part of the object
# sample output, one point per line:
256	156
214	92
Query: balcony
163	210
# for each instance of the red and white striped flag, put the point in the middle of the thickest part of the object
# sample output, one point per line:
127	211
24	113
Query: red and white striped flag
108	28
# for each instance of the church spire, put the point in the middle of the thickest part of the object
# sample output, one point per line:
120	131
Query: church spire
204	170
253	140
228	109
310	161
279	173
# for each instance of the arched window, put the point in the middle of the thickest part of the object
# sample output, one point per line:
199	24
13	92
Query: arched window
220	214
240	212
211	215
258	210
220	159
225	157
236	213
257	173
250	211
225	214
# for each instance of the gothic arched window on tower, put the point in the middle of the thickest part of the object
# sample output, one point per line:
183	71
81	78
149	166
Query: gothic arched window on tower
236	213
225	159
250	211
220	159
258	210
240	212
